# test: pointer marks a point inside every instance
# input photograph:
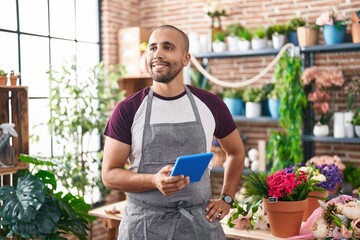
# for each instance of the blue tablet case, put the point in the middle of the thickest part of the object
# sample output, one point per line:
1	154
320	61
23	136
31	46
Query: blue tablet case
192	165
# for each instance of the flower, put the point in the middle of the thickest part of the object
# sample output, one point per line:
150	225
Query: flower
215	9
322	79
330	18
339	218
352	90
284	185
327	159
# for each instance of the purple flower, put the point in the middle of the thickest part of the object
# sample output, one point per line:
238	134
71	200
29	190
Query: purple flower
332	174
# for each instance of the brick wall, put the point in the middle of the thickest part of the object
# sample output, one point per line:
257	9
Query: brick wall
188	15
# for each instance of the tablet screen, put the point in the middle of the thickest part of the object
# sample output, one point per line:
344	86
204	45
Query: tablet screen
192	166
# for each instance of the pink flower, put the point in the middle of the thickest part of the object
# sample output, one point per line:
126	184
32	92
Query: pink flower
345	233
330	18
356	226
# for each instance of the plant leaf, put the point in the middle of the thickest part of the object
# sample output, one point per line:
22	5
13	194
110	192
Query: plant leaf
36	161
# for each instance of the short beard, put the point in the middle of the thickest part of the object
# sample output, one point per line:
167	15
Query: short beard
165	78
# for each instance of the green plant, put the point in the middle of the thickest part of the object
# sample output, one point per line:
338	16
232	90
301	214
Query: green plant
233	29
267	89
351	175
32	209
270	31
232	93
258	33
245	34
2	73
356	118
280	29
80	109
253	94
285	147
295	23
198	80
219	36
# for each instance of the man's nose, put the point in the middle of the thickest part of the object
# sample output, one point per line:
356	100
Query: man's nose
158	53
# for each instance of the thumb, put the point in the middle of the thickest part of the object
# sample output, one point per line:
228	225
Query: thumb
167	169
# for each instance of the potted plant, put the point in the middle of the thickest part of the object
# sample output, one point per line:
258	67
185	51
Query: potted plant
219	44
33	209
233	100
284	195
274	101
293	25
3	77
279	36
253	96
356	122
333	25
258	41
231	33
244	39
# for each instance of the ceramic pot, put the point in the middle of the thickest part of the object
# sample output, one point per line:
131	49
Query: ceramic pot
313	203
3	80
274	105
355	27
285	217
333	35
13	80
357	131
321	130
339	127
232	43
349	128
292	38
252	110
235	105
258	43
278	40
307	36
219	47
243	45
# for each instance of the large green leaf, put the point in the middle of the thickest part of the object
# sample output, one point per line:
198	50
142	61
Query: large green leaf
36	161
47	178
27	200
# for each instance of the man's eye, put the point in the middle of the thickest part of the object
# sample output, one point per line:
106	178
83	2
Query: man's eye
168	48
151	48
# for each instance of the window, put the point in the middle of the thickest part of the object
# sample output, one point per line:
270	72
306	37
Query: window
37	34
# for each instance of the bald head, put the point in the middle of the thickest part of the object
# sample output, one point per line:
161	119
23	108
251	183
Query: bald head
184	37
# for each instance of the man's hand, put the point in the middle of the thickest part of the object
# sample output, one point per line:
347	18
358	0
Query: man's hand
217	209
167	184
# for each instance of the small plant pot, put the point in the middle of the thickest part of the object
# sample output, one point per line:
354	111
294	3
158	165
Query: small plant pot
278	40
355	28
321	130
333	35
232	43
13	80
307	36
219	47
3	80
243	45
258	43
357	130
252	110
292	38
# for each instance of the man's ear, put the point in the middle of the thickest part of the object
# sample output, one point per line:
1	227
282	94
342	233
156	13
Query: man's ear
187	58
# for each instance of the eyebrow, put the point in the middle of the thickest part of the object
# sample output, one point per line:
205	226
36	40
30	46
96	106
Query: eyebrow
163	43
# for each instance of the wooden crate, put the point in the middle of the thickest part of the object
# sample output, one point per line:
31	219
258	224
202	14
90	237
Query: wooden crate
14	109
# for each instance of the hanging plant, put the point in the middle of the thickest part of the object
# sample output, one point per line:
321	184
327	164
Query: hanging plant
285	147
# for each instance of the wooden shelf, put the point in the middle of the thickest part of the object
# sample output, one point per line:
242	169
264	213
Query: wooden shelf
7	171
239	119
310	138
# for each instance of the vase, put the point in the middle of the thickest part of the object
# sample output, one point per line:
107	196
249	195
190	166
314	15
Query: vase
339	127
235	105
274	106
355	27
349	128
357	131
307	36
321	130
313	203
285	217
334	35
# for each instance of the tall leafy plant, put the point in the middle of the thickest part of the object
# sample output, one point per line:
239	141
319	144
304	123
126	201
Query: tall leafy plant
285	147
80	105
33	209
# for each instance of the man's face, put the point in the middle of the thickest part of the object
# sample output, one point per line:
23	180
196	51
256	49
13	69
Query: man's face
165	55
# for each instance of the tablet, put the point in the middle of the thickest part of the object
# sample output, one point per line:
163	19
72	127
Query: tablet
192	166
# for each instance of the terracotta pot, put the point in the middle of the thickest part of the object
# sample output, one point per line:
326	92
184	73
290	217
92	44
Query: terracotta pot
285	217
355	28
307	36
13	80
3	80
312	203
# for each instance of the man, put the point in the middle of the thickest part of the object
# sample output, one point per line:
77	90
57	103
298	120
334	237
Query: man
151	129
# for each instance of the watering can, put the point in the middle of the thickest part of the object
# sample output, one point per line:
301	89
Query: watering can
7	156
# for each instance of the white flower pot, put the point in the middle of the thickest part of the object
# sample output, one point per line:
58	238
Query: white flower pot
357	130
349	128
258	43
278	40
219	46
243	45
252	109
321	130
232	42
339	131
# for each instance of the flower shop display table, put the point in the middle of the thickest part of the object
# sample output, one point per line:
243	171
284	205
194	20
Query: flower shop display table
112	216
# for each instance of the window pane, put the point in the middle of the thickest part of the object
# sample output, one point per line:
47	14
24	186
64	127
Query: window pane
61	51
39	114
34	16
9	52
87	20
8	14
87	55
62	19
35	64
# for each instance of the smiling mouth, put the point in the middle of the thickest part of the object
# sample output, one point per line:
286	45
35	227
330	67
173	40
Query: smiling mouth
159	66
